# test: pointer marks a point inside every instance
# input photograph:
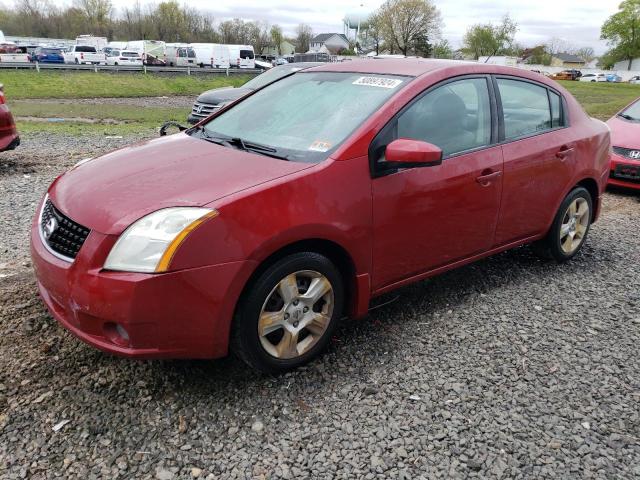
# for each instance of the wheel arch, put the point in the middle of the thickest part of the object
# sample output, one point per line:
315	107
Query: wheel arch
591	185
335	252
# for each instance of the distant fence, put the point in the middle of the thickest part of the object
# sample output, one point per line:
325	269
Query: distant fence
129	69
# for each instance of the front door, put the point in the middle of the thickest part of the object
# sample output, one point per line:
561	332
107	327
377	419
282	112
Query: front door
427	217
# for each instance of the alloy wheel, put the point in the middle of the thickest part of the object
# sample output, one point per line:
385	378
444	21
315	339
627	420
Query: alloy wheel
574	225
296	314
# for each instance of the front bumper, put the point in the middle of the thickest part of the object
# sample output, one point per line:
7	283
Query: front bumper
182	314
617	160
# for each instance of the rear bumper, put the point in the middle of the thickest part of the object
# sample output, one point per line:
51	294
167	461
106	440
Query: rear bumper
182	314
617	160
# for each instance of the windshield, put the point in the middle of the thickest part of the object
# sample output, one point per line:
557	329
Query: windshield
632	112
269	76
307	115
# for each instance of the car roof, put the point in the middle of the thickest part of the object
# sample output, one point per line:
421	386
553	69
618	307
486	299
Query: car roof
415	67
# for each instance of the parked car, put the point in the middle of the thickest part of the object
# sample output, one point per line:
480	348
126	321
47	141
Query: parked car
212	100
568	75
279	61
124	57
48	55
9	138
261	228
593	77
625	138
614	78
81	54
635	80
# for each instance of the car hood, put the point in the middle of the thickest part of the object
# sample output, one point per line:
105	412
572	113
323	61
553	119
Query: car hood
624	134
109	193
222	95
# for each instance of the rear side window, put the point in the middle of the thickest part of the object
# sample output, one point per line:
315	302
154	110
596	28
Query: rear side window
525	107
556	110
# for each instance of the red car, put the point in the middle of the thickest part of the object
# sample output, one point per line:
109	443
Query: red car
8	134
265	224
625	138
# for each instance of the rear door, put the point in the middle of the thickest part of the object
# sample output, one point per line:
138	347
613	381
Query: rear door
539	156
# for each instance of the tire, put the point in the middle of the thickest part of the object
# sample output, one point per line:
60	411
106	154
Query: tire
566	235
77	62
116	64
273	333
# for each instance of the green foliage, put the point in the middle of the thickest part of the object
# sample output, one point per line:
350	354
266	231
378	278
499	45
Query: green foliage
622	32
31	84
443	49
490	40
407	25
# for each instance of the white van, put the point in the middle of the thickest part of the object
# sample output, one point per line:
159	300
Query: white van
211	54
180	55
89	40
241	56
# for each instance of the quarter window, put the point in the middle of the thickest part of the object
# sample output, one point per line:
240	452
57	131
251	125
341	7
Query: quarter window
556	110
456	117
525	107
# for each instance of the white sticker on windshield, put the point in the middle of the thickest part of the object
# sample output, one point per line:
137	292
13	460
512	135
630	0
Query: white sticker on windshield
320	146
378	82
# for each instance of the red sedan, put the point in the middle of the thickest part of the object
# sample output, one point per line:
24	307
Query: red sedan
625	138
8	134
264	225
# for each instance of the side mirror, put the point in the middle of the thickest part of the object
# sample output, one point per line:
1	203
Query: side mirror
413	153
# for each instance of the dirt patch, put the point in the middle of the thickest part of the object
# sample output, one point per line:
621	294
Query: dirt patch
103	121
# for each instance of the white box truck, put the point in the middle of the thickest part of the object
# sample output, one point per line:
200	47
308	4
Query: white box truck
241	56
213	55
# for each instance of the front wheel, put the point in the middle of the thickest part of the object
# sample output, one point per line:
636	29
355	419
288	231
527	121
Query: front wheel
288	314
570	227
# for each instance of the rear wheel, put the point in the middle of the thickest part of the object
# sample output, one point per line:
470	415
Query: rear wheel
288	314
569	229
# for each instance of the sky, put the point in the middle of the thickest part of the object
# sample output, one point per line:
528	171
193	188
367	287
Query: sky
575	21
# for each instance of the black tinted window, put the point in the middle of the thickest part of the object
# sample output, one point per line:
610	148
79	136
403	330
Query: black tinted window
525	107
85	49
246	54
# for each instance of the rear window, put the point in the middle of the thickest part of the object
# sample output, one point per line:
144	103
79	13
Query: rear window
129	54
246	54
51	51
85	49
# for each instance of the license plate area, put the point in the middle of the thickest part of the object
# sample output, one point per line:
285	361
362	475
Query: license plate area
627	172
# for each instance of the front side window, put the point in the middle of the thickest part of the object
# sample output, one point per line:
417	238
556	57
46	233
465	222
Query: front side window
306	115
525	107
455	117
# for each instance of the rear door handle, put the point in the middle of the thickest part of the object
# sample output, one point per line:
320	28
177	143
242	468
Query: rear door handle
486	178
564	152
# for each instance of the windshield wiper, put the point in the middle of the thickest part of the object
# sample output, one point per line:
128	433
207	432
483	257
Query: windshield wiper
627	117
241	144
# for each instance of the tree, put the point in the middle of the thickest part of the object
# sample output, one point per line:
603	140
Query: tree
443	49
489	40
276	38
304	34
409	24
587	54
622	32
371	33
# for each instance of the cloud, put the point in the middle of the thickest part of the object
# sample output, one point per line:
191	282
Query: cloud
576	21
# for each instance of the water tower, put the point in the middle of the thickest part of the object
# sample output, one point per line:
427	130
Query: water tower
353	19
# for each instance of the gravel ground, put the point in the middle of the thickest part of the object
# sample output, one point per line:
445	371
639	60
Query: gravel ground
508	368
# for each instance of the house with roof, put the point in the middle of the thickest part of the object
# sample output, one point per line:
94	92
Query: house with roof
286	48
328	43
567	60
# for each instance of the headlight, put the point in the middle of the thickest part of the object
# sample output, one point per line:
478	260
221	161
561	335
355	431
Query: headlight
149	244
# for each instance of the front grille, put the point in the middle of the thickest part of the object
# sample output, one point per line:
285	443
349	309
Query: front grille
633	154
203	109
61	234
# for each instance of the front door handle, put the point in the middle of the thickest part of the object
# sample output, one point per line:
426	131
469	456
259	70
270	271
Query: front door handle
486	178
564	152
